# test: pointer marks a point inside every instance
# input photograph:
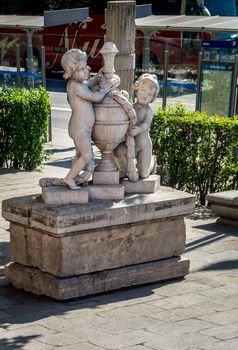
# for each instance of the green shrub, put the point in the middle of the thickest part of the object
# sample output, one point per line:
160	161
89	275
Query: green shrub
195	152
23	125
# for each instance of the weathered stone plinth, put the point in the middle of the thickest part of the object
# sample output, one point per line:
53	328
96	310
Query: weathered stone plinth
225	205
106	178
63	195
33	280
149	185
66	251
115	192
106	185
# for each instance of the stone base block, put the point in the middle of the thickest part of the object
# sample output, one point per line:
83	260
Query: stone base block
98	249
115	192
35	281
66	251
149	185
225	205
63	195
106	178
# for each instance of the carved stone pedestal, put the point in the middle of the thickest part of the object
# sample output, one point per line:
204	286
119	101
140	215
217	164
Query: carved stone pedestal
67	251
225	205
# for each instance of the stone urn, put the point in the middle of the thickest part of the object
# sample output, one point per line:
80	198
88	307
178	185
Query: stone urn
111	122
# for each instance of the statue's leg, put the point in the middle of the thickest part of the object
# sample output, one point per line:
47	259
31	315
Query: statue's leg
84	150
120	157
144	162
77	155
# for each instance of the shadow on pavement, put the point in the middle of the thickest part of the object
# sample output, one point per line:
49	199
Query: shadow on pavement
16	342
20	307
60	163
61	150
227	230
221	265
4	171
204	241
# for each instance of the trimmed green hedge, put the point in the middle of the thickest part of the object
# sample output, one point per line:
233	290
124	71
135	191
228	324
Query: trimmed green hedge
195	152
23	125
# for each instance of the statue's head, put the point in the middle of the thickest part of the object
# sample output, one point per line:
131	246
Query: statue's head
72	60
150	81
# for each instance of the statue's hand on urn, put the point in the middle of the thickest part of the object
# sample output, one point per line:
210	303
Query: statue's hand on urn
109	85
135	130
104	80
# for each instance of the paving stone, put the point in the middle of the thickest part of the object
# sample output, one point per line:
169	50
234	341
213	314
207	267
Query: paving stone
23	343
199	260
40	319
212	280
221	246
131	296
173	329
223	345
179	314
223	332
179	301
72	336
34	345
223	291
137	347
31	332
182	342
221	304
121	341
123	326
61	324
180	288
80	311
222	317
82	346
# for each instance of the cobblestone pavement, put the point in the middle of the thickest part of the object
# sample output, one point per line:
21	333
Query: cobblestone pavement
198	312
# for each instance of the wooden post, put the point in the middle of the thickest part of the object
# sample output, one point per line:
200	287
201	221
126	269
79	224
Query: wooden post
121	31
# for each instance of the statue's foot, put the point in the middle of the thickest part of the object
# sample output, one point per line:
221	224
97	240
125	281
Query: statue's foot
133	176
84	177
51	181
71	184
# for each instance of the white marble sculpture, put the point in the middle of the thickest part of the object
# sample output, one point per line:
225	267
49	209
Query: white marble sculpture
81	97
146	88
104	114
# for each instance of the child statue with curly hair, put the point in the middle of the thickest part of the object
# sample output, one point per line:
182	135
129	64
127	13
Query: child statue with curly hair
146	89
80	97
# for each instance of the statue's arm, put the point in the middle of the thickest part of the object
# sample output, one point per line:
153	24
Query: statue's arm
145	125
85	93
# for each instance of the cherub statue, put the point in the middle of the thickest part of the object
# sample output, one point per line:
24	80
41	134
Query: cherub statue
147	89
80	97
